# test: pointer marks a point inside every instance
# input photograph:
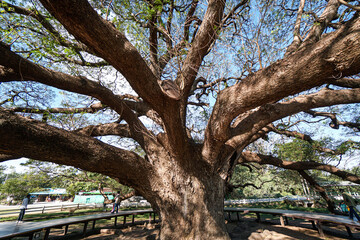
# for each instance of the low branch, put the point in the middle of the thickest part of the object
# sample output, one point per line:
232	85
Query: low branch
335	123
92	109
5	157
298	166
346	82
319	189
105	130
21	136
244	127
304	137
15	68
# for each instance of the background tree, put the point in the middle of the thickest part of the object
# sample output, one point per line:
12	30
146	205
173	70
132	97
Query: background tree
20	184
148	73
75	180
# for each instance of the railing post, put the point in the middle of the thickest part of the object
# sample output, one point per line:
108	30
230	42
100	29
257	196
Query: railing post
43	210
61	207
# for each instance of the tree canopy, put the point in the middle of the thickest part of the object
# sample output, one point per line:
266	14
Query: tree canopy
169	96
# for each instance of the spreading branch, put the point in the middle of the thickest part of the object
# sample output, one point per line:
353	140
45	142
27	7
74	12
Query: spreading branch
298	166
313	66
21	135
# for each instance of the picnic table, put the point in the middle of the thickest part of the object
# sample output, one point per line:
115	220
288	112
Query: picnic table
9	230
315	218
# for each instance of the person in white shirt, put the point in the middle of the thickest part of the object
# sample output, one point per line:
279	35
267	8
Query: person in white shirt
23	207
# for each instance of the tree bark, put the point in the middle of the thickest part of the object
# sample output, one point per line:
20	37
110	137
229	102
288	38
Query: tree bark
192	208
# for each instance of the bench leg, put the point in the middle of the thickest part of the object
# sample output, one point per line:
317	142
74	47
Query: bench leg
286	220
237	215
229	216
66	229
93	226
124	220
282	221
115	221
258	217
349	231
47	233
154	217
319	228
133	219
313	225
85	226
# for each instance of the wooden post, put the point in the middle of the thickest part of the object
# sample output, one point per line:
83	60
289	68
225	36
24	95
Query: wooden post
47	233
319	228
85	226
282	221
313	224
124	220
349	232
258	217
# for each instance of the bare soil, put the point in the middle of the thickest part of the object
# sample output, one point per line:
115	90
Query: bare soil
246	228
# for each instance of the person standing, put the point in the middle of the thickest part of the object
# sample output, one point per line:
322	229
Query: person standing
23	207
116	203
351	203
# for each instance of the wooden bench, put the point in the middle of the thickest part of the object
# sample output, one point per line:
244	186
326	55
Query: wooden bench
9	230
315	218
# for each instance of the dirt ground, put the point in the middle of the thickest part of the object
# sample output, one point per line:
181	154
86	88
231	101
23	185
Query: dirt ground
246	228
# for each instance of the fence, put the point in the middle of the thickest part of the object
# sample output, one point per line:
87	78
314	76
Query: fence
12	211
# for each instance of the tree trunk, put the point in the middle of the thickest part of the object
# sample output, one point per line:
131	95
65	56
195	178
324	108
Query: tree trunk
192	206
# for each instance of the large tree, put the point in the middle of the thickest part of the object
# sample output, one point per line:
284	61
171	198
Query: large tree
261	60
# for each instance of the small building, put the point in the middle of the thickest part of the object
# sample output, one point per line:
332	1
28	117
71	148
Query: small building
50	194
92	197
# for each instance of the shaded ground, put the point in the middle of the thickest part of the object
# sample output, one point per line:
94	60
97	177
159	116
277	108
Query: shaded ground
246	228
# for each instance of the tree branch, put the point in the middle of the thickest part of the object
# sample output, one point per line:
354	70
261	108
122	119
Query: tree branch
20	136
101	36
16	68
204	38
298	166
47	25
92	109
329	14
346	82
297	38
244	127
335	123
302	70
105	130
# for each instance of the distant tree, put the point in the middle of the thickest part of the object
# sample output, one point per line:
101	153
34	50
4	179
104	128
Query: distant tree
76	180
20	184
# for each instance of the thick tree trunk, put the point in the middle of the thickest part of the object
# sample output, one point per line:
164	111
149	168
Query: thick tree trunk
191	207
